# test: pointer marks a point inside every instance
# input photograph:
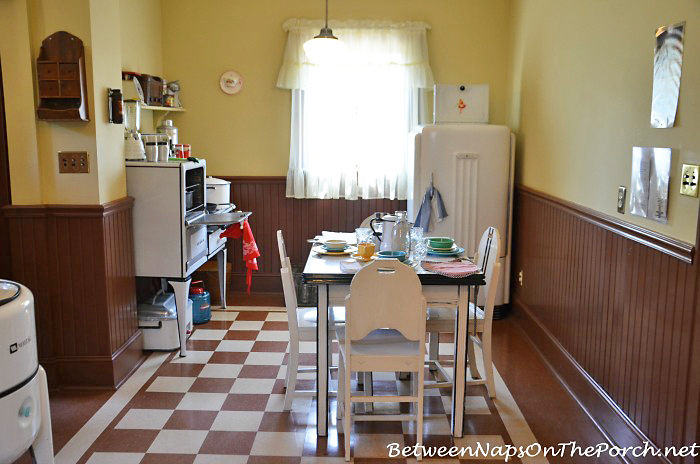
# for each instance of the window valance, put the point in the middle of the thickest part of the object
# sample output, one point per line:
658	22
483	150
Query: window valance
397	47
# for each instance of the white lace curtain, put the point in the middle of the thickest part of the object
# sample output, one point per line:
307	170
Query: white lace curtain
350	120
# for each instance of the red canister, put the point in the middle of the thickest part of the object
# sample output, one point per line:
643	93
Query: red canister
182	150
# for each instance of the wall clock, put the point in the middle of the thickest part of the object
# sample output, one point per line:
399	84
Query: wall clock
231	82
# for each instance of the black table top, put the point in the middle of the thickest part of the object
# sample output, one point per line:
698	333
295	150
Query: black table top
324	269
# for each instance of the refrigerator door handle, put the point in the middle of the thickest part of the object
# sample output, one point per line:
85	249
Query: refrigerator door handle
466	155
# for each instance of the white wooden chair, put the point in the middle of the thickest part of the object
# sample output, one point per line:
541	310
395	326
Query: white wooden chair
282	248
384	332
442	319
283	262
302	328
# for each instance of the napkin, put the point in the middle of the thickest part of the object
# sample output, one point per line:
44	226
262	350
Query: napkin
350	266
426	208
250	249
454	269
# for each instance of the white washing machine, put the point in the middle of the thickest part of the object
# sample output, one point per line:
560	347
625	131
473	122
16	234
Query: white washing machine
25	418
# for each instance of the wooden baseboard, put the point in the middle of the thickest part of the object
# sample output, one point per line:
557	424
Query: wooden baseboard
100	372
127	359
612	422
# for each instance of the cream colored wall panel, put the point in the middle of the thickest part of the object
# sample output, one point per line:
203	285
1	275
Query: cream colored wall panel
581	99
19	103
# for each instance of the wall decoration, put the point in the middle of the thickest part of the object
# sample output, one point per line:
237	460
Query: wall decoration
651	170
231	82
668	61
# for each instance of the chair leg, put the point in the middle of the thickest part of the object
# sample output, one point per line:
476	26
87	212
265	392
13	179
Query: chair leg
368	391
341	395
433	349
347	415
292	371
488	363
473	369
286	374
419	413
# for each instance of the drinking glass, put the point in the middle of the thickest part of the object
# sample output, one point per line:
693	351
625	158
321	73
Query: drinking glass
419	246
363	235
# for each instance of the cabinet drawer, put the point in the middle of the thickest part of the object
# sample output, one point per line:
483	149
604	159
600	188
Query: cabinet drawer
70	89
69	71
48	89
47	70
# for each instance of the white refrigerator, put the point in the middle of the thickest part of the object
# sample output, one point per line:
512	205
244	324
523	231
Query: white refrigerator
472	167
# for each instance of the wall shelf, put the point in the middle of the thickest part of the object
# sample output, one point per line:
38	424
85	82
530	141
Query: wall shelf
161	108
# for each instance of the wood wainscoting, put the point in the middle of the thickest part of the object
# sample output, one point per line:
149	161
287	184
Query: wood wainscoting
299	220
78	260
614	311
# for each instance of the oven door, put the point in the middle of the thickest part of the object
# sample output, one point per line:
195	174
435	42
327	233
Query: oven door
197	244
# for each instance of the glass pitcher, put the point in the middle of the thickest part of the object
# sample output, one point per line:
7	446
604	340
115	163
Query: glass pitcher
401	233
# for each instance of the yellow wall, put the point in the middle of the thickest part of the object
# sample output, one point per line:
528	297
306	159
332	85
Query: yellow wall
73	16
581	99
106	70
141	46
33	144
141	36
15	54
248	134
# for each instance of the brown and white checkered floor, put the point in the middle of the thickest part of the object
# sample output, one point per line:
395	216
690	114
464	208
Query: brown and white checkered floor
223	404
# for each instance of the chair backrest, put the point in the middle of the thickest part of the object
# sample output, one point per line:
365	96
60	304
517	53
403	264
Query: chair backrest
282	248
385	294
367	220
487	255
290	298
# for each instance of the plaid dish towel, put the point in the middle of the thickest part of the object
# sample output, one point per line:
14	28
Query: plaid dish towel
250	249
454	269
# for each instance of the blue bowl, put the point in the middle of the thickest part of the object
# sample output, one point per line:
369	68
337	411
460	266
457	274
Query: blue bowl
400	255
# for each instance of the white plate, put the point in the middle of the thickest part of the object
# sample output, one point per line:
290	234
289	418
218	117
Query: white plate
322	251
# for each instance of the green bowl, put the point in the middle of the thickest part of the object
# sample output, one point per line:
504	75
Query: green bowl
441	243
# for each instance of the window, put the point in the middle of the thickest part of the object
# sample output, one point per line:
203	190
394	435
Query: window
351	119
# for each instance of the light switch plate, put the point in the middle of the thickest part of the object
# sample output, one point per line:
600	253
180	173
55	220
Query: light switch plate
689	180
621	195
73	162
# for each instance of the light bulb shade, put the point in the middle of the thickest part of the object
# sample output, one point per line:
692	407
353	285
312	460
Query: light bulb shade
325	48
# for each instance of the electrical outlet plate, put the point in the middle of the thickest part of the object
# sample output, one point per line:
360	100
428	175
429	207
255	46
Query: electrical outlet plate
689	180
621	194
73	162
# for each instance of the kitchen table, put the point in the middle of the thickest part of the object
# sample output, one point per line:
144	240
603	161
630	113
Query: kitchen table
333	286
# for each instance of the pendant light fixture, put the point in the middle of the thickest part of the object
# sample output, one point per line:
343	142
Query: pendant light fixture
325	47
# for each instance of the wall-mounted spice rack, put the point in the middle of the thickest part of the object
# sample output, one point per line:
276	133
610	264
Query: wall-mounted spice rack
60	71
